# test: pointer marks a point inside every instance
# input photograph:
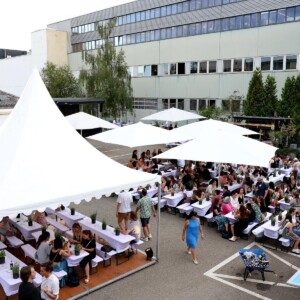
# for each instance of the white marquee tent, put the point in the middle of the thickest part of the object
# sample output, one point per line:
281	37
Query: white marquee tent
223	148
172	115
45	162
82	120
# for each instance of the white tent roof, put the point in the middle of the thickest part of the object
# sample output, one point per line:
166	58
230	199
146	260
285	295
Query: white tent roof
45	162
82	120
138	134
196	129
173	115
223	148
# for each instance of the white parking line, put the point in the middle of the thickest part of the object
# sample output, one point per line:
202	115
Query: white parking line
120	155
219	277
111	150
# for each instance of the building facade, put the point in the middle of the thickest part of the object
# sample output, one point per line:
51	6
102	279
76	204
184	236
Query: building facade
193	54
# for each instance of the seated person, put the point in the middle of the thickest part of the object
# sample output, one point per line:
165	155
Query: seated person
234	200
226	192
288	233
216	196
77	234
226	206
211	188
243	220
40	218
251	213
7	228
219	217
255	206
43	248
247	182
223	178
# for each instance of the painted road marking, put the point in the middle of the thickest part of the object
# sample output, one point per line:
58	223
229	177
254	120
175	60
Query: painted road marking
221	277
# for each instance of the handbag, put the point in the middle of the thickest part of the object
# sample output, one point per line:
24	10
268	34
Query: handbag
51	261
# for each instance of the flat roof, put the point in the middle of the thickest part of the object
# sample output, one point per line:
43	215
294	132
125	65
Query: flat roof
77	100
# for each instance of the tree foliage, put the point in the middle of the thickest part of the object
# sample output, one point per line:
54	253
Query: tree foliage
107	76
60	81
270	97
254	104
212	112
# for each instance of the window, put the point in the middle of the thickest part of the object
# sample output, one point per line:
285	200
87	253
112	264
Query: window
157	12
157	35
192	4
212	103
248	64
273	17
225	24
203	67
153	70
212	67
210	27
291	62
204	3
290	14
194	67
239	22
130	71
145	103
204	27
128	19
172	103
281	16
264	18
165	103
152	13
172	69
147	70
152	36
217	25
254	20
163	11
232	23
193	104
132	18
165	69
297	13
181	68
180	103
211	3
185	30
237	65
143	37
201	104
148	36
192	29
198	4
143	15
227	65
246	21
169	33
278	63
179	31
163	34
179	8
140	71
169	10
148	14
138	16
265	64
173	32
174	9
138	37
185	6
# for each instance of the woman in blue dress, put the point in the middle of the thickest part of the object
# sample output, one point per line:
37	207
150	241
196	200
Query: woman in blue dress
191	233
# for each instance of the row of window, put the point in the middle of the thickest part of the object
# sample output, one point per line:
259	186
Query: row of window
172	9
145	103
276	63
266	18
153	13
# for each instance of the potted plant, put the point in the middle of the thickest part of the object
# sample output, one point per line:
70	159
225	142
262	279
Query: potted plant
77	249
279	172
57	235
2	257
172	192
148	186
72	211
44	228
267	177
207	196
29	220
62	207
280	216
93	217
118	230
286	199
103	224
273	221
16	271
200	201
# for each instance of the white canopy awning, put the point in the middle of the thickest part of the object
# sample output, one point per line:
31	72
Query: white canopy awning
45	162
82	120
136	135
223	148
196	129
172	115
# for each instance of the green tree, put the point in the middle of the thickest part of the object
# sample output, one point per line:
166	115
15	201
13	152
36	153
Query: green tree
60	81
287	101
254	103
107	76
212	112
270	99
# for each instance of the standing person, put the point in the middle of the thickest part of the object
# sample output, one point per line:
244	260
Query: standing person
190	233
27	290
50	283
145	206
123	209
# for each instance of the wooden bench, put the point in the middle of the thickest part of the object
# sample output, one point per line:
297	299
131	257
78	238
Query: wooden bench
60	274
136	245
60	227
249	228
14	241
2	246
285	243
95	261
29	251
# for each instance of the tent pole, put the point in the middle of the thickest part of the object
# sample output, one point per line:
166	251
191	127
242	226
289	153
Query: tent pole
219	171
158	223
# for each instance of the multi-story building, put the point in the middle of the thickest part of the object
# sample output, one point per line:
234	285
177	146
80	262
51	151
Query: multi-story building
7	53
196	53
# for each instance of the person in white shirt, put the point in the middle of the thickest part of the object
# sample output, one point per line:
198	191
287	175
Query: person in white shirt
234	200
50	283
123	209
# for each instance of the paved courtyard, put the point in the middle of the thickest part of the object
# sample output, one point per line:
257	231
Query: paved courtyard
220	270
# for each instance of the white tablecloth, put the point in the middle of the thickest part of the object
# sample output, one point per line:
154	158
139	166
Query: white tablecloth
68	218
173	201
234	187
231	218
272	231
25	229
74	260
283	204
203	208
118	242
9	284
169	173
185	208
275	179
